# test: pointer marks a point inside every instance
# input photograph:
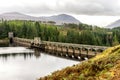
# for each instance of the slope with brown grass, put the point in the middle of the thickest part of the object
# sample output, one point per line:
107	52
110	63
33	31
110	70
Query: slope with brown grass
105	66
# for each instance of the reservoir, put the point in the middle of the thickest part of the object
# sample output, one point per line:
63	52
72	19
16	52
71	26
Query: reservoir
21	63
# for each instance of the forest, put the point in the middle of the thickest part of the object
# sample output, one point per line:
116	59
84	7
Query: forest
67	33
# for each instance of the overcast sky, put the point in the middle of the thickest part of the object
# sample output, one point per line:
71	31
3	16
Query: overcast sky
96	12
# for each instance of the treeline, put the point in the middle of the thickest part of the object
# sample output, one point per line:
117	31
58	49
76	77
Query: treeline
29	29
68	33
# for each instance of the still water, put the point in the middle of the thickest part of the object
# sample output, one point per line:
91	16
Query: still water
20	63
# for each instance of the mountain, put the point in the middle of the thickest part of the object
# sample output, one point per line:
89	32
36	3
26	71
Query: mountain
62	18
59	19
114	24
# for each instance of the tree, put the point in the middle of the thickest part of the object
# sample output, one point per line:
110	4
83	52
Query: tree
24	30
38	29
87	37
115	40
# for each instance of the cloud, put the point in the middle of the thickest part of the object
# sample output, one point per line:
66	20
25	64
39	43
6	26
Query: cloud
80	7
92	7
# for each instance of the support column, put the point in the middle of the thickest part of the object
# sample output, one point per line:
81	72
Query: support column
77	52
46	47
80	51
66	51
95	51
61	52
54	49
87	53
73	54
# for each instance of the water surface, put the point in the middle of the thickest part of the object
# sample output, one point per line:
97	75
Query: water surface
20	63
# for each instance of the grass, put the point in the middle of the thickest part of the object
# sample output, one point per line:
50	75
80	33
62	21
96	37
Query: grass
105	66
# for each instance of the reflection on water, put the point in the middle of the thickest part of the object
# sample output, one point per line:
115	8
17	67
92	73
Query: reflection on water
19	63
6	52
6	56
11	50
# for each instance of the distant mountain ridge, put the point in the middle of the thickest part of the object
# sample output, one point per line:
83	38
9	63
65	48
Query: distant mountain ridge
59	19
15	15
114	24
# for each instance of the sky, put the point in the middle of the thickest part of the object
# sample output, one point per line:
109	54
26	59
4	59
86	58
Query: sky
95	12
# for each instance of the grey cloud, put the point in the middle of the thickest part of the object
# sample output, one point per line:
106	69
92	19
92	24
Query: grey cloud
93	7
39	9
86	7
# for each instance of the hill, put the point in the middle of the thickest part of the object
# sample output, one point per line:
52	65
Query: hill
105	66
59	19
62	18
114	24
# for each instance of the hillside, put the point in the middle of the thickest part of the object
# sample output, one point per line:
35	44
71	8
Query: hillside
114	24
105	66
59	19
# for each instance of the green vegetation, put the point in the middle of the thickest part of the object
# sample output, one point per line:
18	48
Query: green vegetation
68	33
105	66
